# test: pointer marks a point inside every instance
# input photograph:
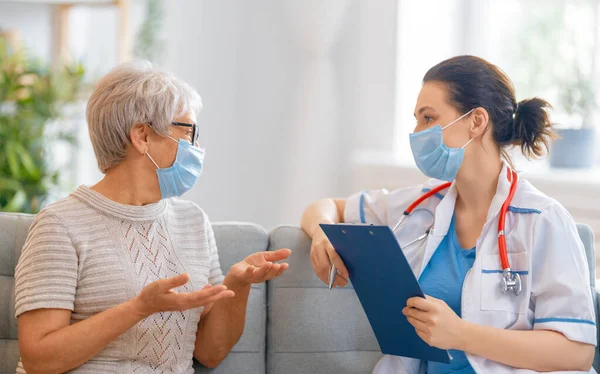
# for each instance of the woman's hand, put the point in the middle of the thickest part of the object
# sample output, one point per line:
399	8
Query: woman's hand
159	296
435	322
260	267
322	255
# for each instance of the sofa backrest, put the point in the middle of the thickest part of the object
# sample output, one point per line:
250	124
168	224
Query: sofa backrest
306	327
311	329
587	237
235	242
13	232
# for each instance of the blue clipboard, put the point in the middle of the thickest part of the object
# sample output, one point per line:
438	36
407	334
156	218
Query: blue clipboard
383	281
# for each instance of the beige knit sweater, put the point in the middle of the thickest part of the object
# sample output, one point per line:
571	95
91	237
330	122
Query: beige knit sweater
87	253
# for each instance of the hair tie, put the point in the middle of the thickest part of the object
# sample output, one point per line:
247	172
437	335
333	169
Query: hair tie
516	110
514	123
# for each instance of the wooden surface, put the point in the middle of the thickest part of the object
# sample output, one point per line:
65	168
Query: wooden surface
60	40
64	2
124	34
13	37
61	30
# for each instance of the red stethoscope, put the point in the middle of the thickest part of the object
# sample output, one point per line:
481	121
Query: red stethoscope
511	281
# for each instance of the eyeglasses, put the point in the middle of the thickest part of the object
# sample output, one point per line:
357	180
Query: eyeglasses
195	132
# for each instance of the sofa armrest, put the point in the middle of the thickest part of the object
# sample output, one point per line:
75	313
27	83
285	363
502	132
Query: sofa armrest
597	355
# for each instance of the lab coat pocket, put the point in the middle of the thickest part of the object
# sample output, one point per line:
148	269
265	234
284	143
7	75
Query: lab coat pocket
492	296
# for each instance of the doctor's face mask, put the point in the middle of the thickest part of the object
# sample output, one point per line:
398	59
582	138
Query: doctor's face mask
433	156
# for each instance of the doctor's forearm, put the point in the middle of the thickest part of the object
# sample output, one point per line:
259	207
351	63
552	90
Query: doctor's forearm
322	211
539	350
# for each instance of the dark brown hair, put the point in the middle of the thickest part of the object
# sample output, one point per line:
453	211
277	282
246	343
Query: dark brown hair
473	83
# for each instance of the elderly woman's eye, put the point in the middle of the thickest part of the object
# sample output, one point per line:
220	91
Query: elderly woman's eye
187	134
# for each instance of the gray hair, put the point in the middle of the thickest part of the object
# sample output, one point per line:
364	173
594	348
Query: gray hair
130	94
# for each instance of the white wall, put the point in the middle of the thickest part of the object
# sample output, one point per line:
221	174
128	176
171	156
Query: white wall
93	31
245	61
33	22
260	68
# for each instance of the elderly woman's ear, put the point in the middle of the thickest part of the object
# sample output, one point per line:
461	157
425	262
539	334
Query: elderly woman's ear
139	136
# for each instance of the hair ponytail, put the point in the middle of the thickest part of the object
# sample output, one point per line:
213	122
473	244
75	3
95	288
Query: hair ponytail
532	127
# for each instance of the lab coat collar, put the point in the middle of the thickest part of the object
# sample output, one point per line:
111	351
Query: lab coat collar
445	209
502	190
444	212
443	217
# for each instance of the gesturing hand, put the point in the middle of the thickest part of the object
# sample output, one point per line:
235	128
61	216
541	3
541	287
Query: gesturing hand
260	267
159	296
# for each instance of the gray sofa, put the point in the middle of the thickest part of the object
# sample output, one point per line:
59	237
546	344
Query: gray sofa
294	324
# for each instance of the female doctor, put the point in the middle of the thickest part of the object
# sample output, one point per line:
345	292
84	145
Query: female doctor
503	267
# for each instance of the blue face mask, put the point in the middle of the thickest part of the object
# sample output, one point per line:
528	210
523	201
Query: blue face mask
433	157
185	171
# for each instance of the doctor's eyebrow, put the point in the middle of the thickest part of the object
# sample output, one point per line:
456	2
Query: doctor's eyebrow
423	109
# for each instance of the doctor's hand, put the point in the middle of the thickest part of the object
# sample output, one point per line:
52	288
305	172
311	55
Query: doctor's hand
322	255
435	322
260	267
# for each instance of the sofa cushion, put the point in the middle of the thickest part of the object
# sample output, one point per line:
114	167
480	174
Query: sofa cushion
311	329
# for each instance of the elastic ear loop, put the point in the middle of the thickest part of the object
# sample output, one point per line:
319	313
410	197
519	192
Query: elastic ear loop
458	119
151	159
468	143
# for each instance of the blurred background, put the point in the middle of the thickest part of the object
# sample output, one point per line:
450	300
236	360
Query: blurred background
302	98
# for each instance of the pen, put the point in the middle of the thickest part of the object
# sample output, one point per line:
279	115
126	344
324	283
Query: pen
332	274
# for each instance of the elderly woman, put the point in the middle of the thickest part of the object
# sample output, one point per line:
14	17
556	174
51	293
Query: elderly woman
123	276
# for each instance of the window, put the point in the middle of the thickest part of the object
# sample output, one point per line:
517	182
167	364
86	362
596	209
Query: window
428	32
548	48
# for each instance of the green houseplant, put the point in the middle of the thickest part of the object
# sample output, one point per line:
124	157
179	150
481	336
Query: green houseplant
31	95
148	45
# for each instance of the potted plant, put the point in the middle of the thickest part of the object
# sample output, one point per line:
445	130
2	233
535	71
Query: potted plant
575	145
577	99
31	96
554	61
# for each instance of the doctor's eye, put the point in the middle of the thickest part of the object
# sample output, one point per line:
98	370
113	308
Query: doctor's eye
428	119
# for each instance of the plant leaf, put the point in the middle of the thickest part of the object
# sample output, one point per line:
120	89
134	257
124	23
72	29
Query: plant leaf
10	185
12	159
17	203
27	161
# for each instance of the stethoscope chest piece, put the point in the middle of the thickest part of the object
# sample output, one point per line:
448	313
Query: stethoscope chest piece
511	282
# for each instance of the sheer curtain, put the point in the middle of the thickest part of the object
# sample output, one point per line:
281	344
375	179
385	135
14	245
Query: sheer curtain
314	158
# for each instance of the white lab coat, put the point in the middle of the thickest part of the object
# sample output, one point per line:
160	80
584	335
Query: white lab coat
542	244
